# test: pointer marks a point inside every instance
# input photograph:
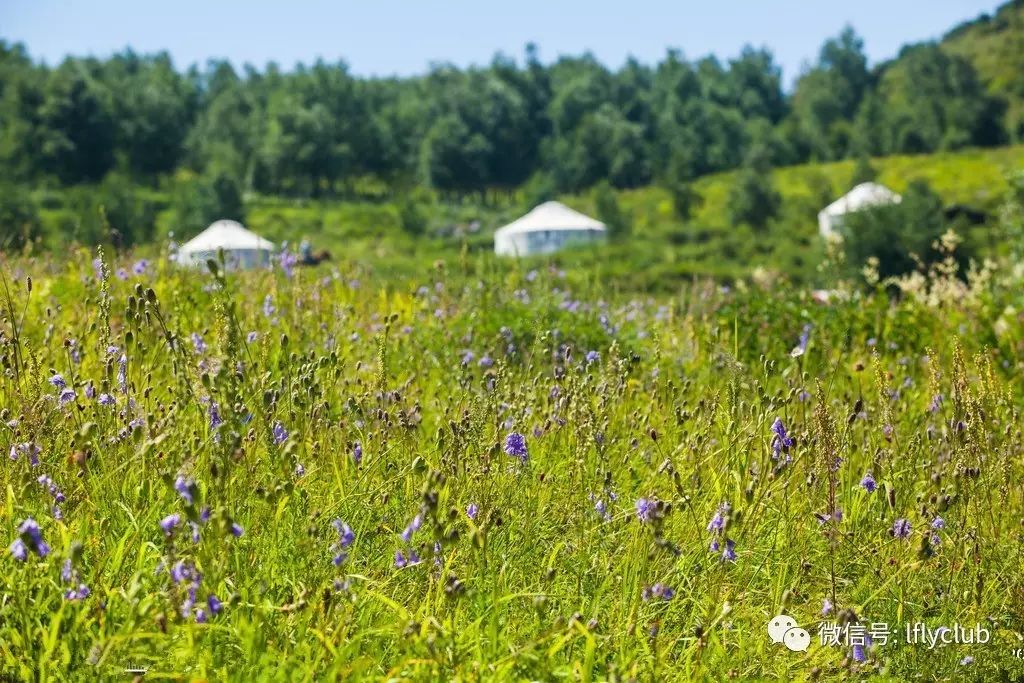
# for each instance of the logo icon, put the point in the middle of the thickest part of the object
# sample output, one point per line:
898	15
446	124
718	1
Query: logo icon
784	629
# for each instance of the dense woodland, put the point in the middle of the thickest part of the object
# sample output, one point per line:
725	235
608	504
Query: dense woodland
319	131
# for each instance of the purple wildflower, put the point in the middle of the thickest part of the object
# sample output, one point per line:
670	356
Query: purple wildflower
236	530
186	489
592	357
938	523
357	452
29	538
515	445
198	343
214	604
280	433
868	483
413	527
659	591
169	523
107	400
644	510
826	607
58	381
781	440
140	267
472	511
901	528
215	418
67	395
729	553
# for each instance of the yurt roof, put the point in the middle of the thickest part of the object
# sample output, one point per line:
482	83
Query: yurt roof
227	235
552	216
862	196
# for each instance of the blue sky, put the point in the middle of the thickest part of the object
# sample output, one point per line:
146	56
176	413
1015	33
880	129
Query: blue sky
384	37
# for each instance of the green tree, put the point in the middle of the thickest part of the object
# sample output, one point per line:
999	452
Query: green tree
895	234
201	200
753	200
616	220
19	218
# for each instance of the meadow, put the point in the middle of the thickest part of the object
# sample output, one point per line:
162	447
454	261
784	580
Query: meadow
490	472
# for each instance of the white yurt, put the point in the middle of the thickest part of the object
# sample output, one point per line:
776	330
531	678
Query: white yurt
242	248
863	196
545	229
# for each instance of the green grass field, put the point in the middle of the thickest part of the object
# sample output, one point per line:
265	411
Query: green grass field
482	472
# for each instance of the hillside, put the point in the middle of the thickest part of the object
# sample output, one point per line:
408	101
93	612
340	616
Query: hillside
663	250
994	44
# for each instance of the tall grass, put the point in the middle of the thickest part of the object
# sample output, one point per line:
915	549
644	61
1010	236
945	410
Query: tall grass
260	408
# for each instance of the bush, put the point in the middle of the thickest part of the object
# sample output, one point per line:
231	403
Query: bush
199	201
19	219
897	233
617	221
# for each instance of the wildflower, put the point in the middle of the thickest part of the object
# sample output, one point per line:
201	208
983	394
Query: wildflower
936	403
28	448
65	571
472	511
357	452
717	523
781	440
280	433
18	550
186	489
169	523
467	358
201	616
967	660
195	532
868	483
729	553
413	527
801	345
658	590
205	514
106	400
485	361
79	593
214	604
140	267
58	381
97	268
406	561
198	343
938	523
252	336
29	538
346	536
215	418
592	357
299	470
67	395
826	607
645	510
46	481
859	654
236	530
515	445
901	528
268	306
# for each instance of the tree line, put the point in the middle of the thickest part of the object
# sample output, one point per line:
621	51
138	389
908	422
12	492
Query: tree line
319	130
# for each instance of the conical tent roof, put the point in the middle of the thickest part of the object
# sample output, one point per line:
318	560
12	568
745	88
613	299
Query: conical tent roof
227	235
863	196
551	216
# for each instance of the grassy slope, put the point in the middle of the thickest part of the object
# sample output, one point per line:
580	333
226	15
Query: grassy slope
663	249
